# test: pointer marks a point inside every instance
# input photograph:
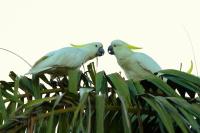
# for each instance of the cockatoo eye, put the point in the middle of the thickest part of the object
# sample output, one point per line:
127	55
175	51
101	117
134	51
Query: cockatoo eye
96	45
114	45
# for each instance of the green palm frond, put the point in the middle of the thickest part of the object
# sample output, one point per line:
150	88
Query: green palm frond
97	102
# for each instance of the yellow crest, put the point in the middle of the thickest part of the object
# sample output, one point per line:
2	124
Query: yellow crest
133	47
77	46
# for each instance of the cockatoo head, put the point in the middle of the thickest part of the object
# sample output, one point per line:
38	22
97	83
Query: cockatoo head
119	46
93	49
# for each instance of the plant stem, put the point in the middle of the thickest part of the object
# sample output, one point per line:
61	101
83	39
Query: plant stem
42	92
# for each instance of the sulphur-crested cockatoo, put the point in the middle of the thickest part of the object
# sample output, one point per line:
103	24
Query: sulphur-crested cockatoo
136	65
58	62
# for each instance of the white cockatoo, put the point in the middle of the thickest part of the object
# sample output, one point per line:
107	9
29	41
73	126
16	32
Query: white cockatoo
58	62
137	66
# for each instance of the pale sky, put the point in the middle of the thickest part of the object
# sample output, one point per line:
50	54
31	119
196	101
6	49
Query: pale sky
33	28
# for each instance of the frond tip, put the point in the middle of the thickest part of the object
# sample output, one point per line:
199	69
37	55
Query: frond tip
191	68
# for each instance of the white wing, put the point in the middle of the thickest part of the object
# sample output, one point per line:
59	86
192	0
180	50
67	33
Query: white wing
68	57
146	62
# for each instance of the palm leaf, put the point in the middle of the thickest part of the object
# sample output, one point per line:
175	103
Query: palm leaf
95	102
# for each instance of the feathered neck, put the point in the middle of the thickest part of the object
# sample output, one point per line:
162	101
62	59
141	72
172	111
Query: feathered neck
88	54
123	53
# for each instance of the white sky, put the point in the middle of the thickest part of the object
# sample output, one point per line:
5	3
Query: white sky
32	28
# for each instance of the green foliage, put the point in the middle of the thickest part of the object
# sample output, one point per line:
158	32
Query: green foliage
96	102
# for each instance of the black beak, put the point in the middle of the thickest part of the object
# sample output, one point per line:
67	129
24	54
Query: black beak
100	51
110	50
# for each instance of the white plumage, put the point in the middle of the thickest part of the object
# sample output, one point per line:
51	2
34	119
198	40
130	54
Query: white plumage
136	65
59	61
